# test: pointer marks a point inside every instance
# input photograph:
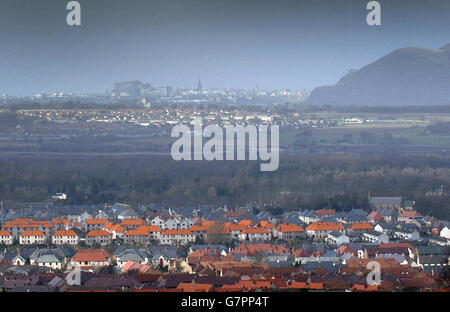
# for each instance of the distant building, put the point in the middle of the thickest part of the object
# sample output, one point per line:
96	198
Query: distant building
31	237
182	237
337	238
60	196
6	238
385	202
322	229
91	258
375	237
101	237
445	233
63	237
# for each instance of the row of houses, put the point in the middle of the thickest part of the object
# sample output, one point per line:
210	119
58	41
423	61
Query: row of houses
136	231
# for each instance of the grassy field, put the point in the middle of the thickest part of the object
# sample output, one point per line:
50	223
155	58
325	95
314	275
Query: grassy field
404	129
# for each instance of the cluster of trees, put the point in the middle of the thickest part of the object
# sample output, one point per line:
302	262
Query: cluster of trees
308	182
367	137
310	108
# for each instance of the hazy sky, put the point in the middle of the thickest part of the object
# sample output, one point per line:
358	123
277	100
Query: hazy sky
274	44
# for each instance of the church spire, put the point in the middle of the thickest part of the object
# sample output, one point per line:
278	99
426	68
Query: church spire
199	85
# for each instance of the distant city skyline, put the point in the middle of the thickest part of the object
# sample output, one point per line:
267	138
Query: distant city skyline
276	45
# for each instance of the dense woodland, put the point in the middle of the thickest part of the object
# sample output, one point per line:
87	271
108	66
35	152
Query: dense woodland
341	182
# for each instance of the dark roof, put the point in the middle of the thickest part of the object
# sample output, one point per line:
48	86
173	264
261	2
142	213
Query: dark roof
386	201
172	280
433	250
280	264
33	289
147	278
330	266
436	259
216	280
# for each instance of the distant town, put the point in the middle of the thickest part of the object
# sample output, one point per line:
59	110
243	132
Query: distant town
147	95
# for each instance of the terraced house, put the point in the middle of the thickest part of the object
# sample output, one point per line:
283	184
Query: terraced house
123	255
290	231
94	224
63	237
6	238
321	230
32	237
91	258
132	224
116	230
255	235
18	226
101	237
172	237
142	235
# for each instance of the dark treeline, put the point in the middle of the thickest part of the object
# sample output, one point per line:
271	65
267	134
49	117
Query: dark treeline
443	109
439	128
307	182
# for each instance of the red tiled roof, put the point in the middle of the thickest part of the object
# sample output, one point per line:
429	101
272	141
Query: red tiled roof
198	228
208	223
109	226
153	228
361	226
288	228
32	233
266	224
251	249
298	285
98	233
190	287
91	255
5	233
96	221
46	224
137	232
127	222
65	233
255	231
59	221
325	212
396	245
177	232
27	225
117	228
375	215
316	286
16	222
229	288
410	214
301	253
235	227
359	287
325	226
246	222
233	214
